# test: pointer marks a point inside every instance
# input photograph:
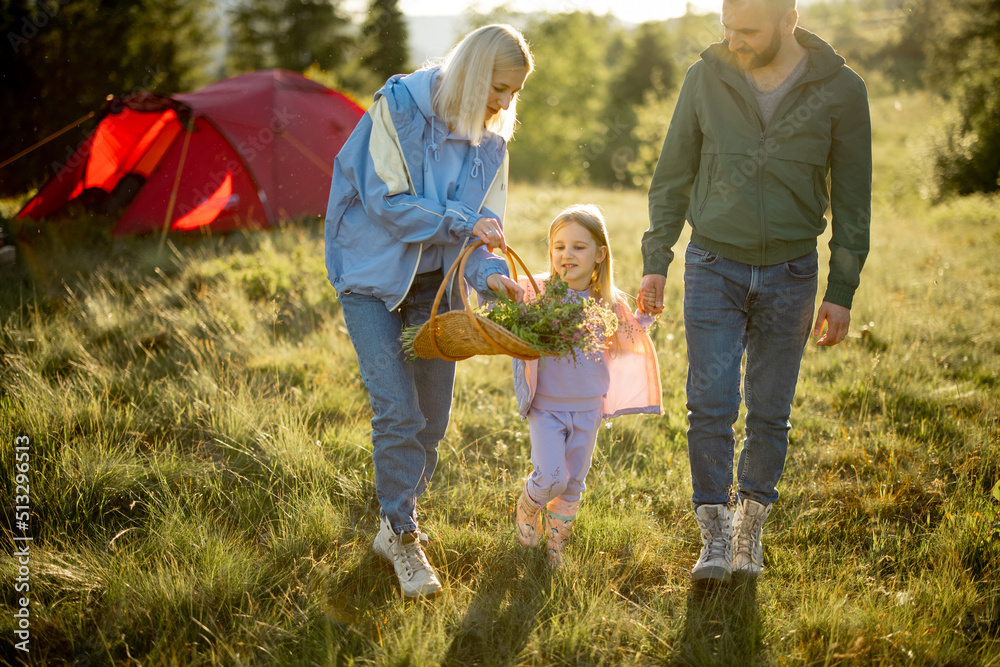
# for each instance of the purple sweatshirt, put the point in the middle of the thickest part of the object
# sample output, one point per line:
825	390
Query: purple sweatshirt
569	385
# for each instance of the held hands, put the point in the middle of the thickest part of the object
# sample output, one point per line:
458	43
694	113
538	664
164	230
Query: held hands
488	231
838	323
650	299
501	284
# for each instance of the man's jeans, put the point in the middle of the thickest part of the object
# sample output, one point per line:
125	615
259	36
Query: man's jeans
411	400
767	312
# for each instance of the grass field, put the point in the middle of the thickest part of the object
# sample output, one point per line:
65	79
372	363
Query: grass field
201	486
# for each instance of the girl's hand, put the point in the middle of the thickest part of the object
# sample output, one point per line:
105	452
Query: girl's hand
501	284
489	232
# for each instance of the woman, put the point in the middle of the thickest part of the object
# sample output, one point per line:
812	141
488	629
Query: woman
424	172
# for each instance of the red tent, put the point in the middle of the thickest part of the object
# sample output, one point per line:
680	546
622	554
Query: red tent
243	152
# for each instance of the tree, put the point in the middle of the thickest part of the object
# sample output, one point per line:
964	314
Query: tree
384	39
63	59
560	130
647	65
964	65
290	34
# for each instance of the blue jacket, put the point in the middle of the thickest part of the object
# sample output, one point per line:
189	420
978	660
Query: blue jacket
379	219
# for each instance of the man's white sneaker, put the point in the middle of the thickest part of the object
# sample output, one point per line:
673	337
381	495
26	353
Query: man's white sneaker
716	559
416	576
748	550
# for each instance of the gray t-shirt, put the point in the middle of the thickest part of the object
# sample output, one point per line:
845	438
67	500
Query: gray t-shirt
769	101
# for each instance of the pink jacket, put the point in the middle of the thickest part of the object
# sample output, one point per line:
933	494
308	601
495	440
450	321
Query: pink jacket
633	367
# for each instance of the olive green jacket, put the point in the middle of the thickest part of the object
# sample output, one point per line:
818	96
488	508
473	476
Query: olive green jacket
758	194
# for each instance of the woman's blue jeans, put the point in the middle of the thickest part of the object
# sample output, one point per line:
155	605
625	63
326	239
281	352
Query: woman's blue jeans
411	400
731	308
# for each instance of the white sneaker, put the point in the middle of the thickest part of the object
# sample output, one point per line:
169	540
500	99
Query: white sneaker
416	576
716	559
748	550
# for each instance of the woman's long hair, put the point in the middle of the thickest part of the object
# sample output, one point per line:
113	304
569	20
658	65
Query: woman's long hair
466	76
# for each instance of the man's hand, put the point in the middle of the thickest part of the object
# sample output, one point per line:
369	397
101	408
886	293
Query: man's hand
651	293
837	320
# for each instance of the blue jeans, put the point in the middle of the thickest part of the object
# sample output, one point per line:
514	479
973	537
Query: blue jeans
731	308
411	400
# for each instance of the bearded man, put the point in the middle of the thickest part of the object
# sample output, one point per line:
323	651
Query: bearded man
771	129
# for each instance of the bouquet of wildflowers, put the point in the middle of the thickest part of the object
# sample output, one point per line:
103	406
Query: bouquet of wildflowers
553	323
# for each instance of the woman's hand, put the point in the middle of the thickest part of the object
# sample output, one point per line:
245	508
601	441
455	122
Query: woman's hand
501	284
489	232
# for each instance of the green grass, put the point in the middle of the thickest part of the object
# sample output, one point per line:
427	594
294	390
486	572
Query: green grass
202	489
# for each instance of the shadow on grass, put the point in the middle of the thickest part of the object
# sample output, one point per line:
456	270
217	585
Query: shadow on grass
503	613
722	625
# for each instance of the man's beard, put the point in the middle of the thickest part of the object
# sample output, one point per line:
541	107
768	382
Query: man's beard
765	57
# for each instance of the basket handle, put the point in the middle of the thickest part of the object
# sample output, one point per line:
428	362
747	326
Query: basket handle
459	264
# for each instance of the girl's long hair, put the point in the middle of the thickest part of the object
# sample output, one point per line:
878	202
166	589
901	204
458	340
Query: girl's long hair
466	76
602	282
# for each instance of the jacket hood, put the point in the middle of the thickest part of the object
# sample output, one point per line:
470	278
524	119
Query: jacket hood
419	85
823	60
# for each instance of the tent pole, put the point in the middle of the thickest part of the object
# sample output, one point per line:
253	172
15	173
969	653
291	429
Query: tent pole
308	153
47	139
177	184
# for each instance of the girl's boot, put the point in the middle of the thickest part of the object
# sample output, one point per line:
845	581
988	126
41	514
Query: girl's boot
561	515
527	520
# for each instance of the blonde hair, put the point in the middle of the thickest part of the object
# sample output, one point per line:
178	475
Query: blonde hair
466	76
602	282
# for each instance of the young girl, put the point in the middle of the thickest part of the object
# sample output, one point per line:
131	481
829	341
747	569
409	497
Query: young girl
564	399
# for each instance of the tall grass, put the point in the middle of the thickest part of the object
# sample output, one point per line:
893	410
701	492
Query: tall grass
202	489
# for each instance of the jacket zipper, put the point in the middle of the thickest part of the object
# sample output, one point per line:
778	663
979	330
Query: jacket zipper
761	135
486	193
761	159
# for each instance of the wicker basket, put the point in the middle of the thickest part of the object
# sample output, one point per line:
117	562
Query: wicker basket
460	334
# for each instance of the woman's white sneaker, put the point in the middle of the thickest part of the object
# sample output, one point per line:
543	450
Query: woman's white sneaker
716	558
748	548
416	576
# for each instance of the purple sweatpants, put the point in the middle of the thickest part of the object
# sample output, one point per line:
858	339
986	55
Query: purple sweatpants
562	446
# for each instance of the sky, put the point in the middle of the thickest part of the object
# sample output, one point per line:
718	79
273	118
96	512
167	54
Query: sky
632	11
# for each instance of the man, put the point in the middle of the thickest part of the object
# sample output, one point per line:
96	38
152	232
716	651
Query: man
761	122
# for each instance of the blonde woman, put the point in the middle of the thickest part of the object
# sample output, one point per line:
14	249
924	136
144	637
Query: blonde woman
424	172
